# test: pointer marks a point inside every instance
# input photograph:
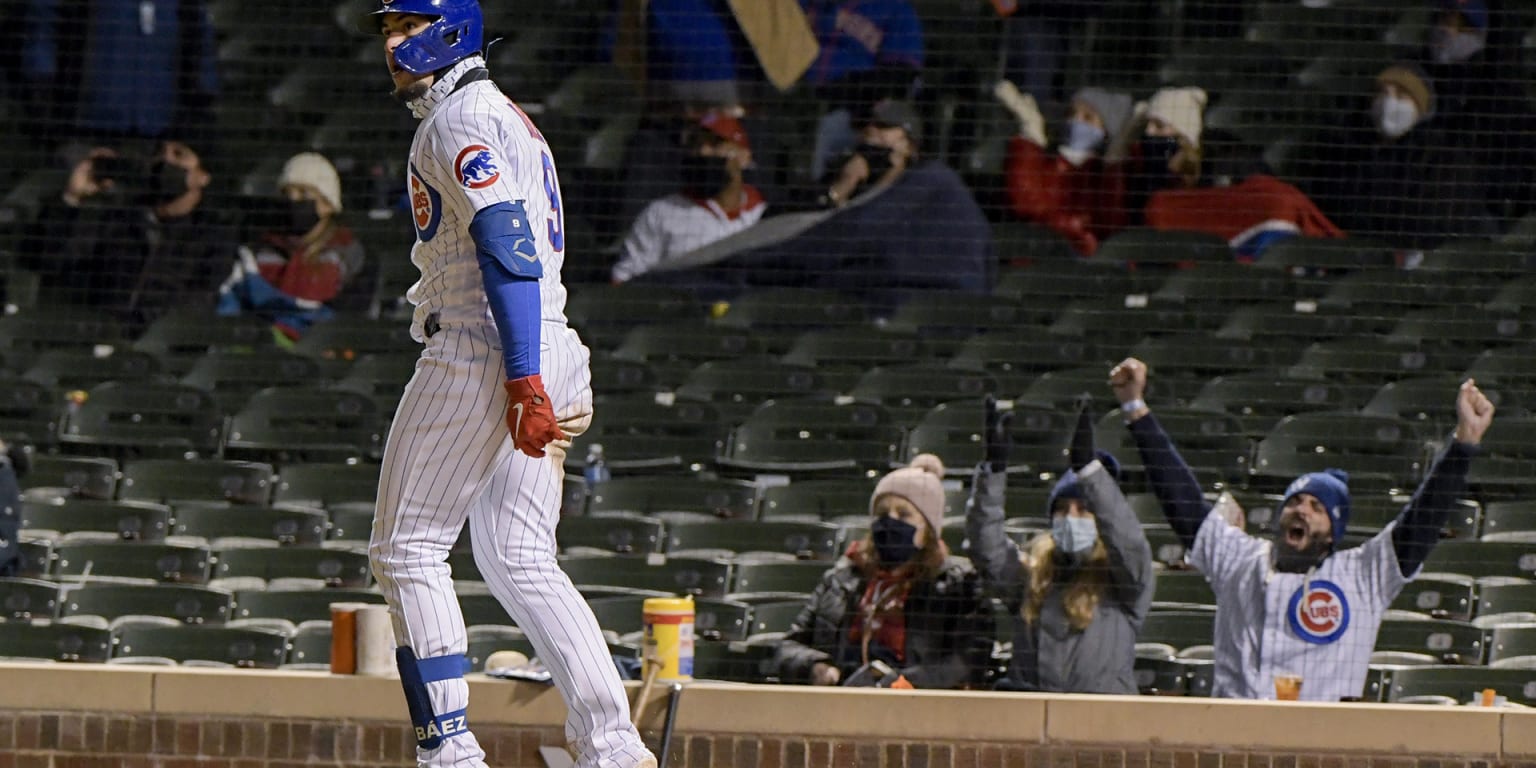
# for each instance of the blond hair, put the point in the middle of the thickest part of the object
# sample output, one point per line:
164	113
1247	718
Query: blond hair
1081	595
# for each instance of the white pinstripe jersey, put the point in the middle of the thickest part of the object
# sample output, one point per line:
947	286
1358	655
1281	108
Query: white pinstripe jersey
1320	625
475	148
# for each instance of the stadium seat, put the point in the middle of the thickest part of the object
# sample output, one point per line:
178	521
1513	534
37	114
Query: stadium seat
233	377
806	439
1462	685
1363	257
1261	400
1179	629
246	648
1439	596
145	419
380	378
1510	642
1211	442
722	619
480	607
297	424
605	313
778	576
335	567
1483	558
675	348
1014	357
621	614
180	563
325	484
861	346
129	520
612	375
1488	260
286	525
25	336
1020	242
1392	292
310	644
24	599
1153	247
297	605
1182	591
706	578
30	412
648	495
58	641
1039	437
1470	328
69	369
185	603
1270	323
910	391
954	315
1430	402
1206	356
1065	388
76	476
1510	367
773	612
487	639
816	499
1362	364
624	534
351	521
1506	464
738	386
1361	444
184	338
170	481
792	310
806	541
1504	596
335	344
35	557
1223	284
641	435
1509	516
1117	323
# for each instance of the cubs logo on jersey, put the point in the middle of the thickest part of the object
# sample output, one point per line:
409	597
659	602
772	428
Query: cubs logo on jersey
426	206
1318	612
476	167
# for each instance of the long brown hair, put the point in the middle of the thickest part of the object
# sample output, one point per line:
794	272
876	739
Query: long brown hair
1081	595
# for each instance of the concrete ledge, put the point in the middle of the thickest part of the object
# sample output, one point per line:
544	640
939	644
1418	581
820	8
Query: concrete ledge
69	687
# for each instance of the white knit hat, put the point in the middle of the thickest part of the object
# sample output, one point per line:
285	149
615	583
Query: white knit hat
1181	108
920	482
311	169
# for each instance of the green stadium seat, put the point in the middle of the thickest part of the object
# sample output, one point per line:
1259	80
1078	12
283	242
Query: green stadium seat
1469	328
1011	358
170	481
1359	256
335	344
1224	284
183	338
1506	463
910	391
605	313
1361	444
1504	596
1511	641
706	578
1112	324
1509	516
35	557
29	412
381	378
351	521
803	540
233	377
956	314
1024	242
1363	364
1212	443
612	375
1463	685
297	605
297	424
286	525
58	641
238	647
145	419
24	599
1439	596
82	369
1181	591
734	662
620	533
738	386
1153	247
1483	558
325	484
620	614
859	346
792	310
1428	401
1287	323
1261	400
310	644
778	576
675	348
1039	437
648	495
130	520
1451	642
1393	291
1512	368
76	476
335	567
641	435
482	608
773	613
184	603
161	562
721	619
816	499
1488	260
808	439
1178	629
25	336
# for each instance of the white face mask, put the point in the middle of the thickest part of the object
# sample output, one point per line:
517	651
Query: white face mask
1448	46
1083	136
1394	115
1074	535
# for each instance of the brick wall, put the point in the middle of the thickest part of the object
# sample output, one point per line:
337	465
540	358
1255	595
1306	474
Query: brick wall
78	740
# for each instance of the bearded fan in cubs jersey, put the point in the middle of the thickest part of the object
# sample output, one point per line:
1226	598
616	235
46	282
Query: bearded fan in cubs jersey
1297	603
501	385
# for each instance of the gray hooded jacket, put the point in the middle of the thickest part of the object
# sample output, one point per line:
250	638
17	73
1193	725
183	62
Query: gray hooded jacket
1050	655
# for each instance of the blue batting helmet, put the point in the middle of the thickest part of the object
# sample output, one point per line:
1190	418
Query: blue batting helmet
457	33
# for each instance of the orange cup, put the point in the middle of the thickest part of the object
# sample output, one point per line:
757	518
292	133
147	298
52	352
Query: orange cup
1287	686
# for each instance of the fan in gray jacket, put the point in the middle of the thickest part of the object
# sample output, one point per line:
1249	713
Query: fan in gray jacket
896	600
1078	593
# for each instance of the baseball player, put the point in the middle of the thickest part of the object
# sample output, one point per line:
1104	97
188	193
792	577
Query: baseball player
1295	605
499	362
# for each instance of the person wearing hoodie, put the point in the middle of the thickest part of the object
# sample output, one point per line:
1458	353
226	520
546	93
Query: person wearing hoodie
1078	189
897	600
1078	593
1296	603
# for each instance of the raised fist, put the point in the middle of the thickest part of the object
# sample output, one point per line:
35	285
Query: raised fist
1474	412
1129	380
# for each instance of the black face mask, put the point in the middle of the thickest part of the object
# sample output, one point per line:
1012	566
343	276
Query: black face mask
878	157
302	216
704	176
1156	153
895	540
167	181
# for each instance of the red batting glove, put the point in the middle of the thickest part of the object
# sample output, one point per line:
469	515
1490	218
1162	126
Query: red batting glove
530	418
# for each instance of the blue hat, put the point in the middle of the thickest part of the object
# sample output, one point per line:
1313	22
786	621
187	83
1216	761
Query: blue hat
1474	11
1068	488
1331	487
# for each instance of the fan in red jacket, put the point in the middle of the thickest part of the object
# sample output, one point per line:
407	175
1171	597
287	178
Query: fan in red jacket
1074	190
1251	215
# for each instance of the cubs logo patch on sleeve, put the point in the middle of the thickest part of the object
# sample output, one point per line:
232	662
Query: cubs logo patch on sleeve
1318	612
477	167
426	206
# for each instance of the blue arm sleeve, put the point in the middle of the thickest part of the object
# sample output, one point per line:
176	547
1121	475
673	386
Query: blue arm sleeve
510	270
1418	527
1173	482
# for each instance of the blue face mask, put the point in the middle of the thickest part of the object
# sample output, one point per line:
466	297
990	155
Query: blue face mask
1074	535
1083	136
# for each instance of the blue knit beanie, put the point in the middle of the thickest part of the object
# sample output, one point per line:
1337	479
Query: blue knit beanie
1331	487
1068	488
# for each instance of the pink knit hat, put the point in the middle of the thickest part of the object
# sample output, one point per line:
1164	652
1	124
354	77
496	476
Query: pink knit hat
922	483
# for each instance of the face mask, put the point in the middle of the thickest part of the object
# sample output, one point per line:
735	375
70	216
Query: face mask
1074	535
1156	153
1450	46
895	540
703	176
302	216
1394	116
1083	136
878	157
169	181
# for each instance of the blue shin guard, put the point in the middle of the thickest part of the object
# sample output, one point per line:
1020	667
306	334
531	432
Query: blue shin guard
431	728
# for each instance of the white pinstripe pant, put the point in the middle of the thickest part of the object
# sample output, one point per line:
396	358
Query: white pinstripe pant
449	459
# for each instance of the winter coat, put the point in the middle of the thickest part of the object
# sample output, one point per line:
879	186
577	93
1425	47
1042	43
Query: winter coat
949	628
1481	108
1084	204
1242	214
1049	654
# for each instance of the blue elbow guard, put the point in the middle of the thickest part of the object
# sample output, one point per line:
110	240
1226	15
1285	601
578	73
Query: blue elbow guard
431	728
502	235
